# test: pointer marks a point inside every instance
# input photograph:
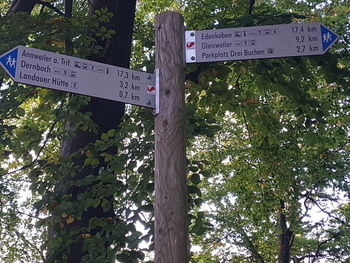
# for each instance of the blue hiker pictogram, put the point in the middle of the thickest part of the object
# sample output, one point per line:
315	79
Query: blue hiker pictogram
328	38
9	62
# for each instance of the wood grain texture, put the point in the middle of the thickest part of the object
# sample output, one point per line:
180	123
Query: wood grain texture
171	234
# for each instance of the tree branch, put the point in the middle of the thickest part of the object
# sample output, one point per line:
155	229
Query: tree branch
27	242
326	212
51	6
250	245
251	6
38	155
92	5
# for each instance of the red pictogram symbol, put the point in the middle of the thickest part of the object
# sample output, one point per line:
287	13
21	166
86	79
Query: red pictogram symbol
190	44
151	89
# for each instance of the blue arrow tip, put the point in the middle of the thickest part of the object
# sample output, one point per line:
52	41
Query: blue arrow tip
9	62
328	38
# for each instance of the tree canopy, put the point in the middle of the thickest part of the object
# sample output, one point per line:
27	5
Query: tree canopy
267	141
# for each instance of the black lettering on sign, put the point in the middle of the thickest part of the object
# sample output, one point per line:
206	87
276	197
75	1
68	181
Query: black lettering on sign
300	39
123	94
123	84
300	49
311	29
60	82
135	87
313	48
36	66
135	97
313	39
122	74
135	77
33	77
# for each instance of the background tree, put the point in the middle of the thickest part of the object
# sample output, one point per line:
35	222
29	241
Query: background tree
269	158
82	127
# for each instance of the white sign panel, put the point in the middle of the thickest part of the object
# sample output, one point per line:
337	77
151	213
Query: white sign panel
274	41
60	72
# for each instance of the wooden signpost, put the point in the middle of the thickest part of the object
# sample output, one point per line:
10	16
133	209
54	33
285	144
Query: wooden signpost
171	238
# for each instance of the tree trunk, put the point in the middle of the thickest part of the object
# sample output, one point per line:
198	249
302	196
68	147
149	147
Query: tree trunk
68	10
285	238
106	114
22	6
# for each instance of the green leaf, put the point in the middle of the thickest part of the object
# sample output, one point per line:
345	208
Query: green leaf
192	189
124	257
20	112
195	179
104	137
193	168
111	132
106	205
94	162
95	202
87	161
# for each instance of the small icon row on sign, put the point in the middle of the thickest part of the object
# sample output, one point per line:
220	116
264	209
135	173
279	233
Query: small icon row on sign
268	32
91	67
245	43
74	85
254	33
245	33
65	72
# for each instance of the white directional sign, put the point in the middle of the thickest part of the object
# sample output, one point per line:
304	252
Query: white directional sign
274	41
60	72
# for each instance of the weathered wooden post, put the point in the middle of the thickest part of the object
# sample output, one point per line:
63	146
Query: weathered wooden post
171	234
